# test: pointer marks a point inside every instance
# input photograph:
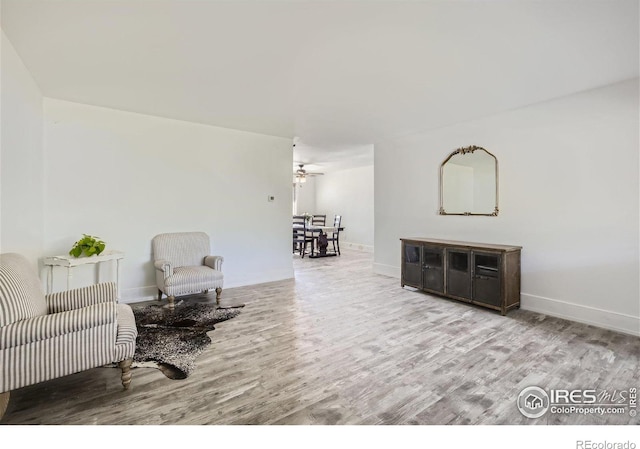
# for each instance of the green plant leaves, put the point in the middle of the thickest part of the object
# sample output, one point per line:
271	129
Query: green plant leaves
89	245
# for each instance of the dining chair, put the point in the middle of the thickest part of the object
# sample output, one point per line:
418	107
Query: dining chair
317	220
301	237
320	220
334	238
298	220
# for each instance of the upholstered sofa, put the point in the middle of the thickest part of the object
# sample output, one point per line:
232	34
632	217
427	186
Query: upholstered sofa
46	337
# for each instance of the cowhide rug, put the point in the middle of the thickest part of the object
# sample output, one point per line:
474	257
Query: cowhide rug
171	340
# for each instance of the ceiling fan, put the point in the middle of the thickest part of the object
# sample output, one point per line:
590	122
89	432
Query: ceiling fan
301	174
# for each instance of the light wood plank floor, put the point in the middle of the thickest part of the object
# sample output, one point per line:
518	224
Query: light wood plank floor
341	345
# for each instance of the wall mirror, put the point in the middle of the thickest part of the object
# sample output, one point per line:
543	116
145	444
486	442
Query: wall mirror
469	183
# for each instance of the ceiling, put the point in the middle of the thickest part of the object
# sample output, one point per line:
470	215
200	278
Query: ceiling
335	75
330	157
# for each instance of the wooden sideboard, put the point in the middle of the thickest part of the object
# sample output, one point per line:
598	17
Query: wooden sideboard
477	273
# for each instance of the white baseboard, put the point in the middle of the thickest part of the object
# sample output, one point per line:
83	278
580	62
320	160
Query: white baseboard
261	277
606	319
386	270
357	246
138	294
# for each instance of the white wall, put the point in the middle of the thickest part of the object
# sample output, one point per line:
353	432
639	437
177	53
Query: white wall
72	169
126	177
21	158
306	196
568	195
349	193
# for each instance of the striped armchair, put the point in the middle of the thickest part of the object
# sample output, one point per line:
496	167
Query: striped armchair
45	337
183	265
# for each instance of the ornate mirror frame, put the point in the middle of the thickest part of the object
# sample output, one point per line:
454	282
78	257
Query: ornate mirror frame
463	151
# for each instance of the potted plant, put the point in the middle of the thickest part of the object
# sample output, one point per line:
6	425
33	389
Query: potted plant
88	245
307	217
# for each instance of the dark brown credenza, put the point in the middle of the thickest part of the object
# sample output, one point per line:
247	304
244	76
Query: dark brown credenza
478	273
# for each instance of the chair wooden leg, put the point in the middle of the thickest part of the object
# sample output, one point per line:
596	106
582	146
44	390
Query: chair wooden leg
125	366
172	301
218	293
4	403
159	295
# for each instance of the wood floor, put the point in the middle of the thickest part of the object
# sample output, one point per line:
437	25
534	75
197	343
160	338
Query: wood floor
341	345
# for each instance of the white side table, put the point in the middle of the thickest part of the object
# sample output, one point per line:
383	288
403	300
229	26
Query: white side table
70	262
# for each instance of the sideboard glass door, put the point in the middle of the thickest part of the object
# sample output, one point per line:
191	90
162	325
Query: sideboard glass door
459	273
433	269
411	262
486	284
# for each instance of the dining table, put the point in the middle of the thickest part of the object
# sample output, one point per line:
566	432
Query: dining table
321	239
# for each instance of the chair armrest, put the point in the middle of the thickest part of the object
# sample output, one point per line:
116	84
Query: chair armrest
53	325
81	297
214	262
164	266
